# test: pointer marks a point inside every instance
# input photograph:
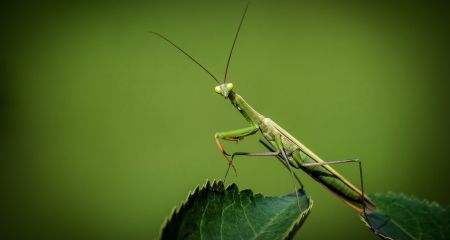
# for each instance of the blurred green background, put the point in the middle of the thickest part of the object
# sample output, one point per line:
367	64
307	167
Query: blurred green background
105	128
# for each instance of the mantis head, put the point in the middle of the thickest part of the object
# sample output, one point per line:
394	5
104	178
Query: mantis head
224	89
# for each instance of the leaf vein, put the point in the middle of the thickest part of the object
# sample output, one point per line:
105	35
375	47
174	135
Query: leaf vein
272	219
246	217
201	220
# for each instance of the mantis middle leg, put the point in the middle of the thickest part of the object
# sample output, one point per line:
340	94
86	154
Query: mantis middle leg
282	156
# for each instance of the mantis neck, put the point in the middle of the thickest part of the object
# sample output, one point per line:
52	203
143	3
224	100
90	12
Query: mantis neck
250	114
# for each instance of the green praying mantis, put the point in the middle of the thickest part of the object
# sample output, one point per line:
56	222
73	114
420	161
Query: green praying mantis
281	144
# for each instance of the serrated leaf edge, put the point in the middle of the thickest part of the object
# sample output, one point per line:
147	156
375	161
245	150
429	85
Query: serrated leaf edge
219	183
191	195
295	225
414	198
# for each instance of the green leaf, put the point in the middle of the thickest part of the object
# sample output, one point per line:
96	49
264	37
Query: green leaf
213	212
401	217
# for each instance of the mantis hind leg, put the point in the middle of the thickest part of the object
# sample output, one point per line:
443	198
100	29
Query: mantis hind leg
366	202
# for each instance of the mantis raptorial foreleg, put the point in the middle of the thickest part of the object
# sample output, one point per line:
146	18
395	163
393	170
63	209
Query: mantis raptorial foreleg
233	135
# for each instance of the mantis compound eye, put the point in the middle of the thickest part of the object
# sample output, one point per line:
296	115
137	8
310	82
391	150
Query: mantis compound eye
229	86
218	90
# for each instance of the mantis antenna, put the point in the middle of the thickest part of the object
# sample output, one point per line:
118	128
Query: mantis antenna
199	64
185	53
234	42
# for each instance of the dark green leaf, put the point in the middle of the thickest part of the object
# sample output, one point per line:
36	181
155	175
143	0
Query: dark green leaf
401	217
213	212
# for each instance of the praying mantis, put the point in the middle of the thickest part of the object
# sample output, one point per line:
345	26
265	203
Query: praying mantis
281	144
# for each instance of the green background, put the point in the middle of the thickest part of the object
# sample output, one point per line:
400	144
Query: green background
105	128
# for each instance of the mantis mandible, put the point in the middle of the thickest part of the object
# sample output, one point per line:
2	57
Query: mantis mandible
281	144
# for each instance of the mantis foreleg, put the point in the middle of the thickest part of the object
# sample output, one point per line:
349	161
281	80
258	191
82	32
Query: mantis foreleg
233	135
